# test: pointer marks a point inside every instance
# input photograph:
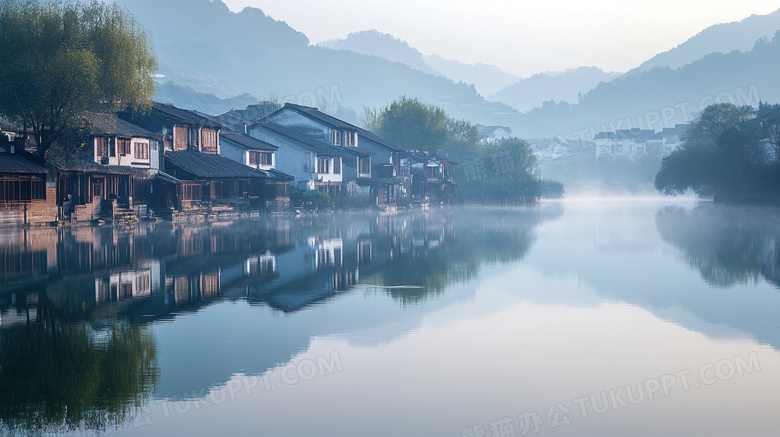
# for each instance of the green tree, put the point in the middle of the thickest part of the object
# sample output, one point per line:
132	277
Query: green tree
721	155
411	124
506	168
62	59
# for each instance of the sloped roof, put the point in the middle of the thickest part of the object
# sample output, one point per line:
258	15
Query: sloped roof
107	124
166	178
207	165
278	175
82	161
375	139
178	115
246	141
14	163
488	131
322	117
302	140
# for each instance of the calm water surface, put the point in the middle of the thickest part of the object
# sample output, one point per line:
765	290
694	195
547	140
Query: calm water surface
600	318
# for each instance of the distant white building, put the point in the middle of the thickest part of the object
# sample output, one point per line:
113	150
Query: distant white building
553	149
491	134
634	143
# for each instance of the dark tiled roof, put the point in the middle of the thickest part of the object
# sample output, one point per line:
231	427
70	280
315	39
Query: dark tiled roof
246	141
107	124
206	165
178	115
167	178
321	116
302	140
278	175
82	161
375	139
13	163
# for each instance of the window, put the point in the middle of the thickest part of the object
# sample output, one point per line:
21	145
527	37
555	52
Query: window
141	150
209	140
336	165
283	189
323	165
180	138
38	190
261	158
364	165
336	137
124	147
101	147
350	139
191	191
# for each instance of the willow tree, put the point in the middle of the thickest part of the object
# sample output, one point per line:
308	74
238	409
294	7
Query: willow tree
62	59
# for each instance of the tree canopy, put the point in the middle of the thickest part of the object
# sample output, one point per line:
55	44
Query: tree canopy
62	59
724	154
499	172
410	123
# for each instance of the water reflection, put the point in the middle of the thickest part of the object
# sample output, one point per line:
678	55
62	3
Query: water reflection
57	376
526	291
729	246
149	273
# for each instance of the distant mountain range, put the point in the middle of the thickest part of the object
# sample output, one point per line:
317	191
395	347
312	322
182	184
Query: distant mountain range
661	97
490	81
203	45
568	86
214	60
719	38
382	45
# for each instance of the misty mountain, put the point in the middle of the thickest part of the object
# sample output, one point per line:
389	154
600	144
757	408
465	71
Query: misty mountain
383	45
720	38
568	86
203	45
662	96
186	97
488	79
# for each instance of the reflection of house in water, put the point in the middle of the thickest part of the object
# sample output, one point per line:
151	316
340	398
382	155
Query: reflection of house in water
155	271
325	253
123	285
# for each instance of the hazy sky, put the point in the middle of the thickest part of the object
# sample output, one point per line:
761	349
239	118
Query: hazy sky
521	37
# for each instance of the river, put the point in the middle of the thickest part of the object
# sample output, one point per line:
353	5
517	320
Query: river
641	317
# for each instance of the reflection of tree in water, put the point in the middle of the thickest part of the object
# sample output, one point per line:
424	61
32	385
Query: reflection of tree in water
62	377
728	245
451	246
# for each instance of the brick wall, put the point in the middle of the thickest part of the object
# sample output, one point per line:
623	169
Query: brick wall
38	212
88	212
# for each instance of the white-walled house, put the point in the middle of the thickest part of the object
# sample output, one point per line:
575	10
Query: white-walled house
491	134
261	156
312	164
634	143
359	157
118	142
247	150
316	124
